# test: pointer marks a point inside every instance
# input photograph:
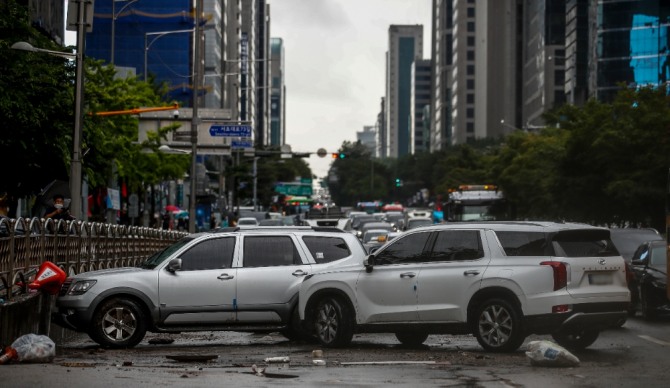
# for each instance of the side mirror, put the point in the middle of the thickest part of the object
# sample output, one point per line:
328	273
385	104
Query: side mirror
369	263
174	265
639	262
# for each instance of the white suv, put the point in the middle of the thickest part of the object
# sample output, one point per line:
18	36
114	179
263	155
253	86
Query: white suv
242	280
497	281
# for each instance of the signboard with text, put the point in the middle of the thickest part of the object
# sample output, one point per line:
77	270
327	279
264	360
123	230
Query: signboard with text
230	130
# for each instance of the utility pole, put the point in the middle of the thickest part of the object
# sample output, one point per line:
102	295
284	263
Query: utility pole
197	77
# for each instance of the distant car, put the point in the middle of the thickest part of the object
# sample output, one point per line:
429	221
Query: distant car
651	272
627	241
418	222
247	221
396	219
374	226
374	238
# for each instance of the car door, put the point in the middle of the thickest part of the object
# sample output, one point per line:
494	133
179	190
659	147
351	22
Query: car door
388	292
452	274
203	290
270	273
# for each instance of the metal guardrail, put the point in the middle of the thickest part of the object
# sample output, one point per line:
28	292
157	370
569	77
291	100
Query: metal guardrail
75	246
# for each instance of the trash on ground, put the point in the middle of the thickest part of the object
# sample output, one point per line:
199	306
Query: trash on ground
387	363
317	353
8	355
547	353
257	371
34	348
271	360
319	362
192	357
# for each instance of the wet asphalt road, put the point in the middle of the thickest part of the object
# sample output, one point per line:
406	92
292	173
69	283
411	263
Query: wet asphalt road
636	355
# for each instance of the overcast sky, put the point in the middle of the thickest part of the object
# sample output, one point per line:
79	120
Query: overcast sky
335	66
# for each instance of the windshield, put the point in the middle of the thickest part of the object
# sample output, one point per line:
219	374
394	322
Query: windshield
160	256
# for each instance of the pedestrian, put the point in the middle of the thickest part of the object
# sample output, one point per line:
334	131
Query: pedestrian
58	211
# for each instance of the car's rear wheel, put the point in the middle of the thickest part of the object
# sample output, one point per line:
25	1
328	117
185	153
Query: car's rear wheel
410	338
498	326
118	323
576	340
333	322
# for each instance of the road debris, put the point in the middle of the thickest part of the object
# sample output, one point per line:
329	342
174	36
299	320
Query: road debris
547	353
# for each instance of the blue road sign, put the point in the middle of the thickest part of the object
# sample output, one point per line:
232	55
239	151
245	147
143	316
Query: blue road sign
241	144
230	130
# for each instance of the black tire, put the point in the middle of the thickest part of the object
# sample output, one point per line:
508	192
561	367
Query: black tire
118	323
295	331
411	338
333	322
576	340
498	326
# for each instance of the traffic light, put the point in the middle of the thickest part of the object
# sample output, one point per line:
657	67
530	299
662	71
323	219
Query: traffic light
398	182
339	155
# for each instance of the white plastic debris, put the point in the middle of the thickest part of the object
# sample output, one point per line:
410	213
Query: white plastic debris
34	348
277	360
319	362
547	353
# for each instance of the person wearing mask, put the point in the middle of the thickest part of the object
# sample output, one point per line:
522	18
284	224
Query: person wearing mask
58	210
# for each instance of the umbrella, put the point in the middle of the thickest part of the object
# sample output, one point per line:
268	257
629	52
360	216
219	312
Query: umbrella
45	197
171	208
180	213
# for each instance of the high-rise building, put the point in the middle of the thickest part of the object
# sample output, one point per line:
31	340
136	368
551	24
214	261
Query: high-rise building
576	51
441	55
277	93
485	73
421	89
543	65
368	138
405	46
381	133
631	47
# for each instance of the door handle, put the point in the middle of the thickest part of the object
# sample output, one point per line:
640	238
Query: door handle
299	273
471	272
225	276
407	275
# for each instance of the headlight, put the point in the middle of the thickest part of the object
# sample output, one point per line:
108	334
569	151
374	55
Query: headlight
81	287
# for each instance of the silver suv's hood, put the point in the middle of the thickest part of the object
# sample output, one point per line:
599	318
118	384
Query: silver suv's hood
109	272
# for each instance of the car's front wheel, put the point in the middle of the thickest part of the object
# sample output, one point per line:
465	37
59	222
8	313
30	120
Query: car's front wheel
118	323
576	340
498	326
411	338
333	322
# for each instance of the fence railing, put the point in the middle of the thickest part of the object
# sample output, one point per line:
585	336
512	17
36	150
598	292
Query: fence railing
75	246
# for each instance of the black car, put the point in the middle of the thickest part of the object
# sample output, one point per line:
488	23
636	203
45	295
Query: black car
651	272
627	241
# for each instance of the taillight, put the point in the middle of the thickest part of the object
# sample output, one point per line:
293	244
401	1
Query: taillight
560	273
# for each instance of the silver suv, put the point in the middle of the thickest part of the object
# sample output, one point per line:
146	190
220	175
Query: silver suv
242	280
497	281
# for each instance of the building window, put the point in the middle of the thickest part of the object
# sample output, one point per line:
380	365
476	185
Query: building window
470	98
471	55
470	84
470	127
470	70
470	113
471	12
471	41
471	26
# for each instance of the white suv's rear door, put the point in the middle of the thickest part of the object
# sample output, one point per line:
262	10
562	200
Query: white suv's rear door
452	275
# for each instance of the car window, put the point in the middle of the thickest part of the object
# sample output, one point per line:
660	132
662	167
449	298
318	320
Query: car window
209	254
269	251
523	243
658	256
584	243
326	249
404	250
456	245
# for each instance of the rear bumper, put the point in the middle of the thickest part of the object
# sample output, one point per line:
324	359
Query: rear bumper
595	316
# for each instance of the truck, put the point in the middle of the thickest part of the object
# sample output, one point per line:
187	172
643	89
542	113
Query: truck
476	203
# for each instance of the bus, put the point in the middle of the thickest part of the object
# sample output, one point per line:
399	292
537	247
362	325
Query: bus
476	203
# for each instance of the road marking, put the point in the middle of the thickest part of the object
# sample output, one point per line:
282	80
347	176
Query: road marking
654	340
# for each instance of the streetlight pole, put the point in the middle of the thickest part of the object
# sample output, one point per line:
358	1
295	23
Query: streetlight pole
114	16
197	81
147	44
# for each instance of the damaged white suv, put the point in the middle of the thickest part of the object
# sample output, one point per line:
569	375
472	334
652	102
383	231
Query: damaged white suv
241	280
498	281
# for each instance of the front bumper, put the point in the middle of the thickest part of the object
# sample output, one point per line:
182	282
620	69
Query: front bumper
70	319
